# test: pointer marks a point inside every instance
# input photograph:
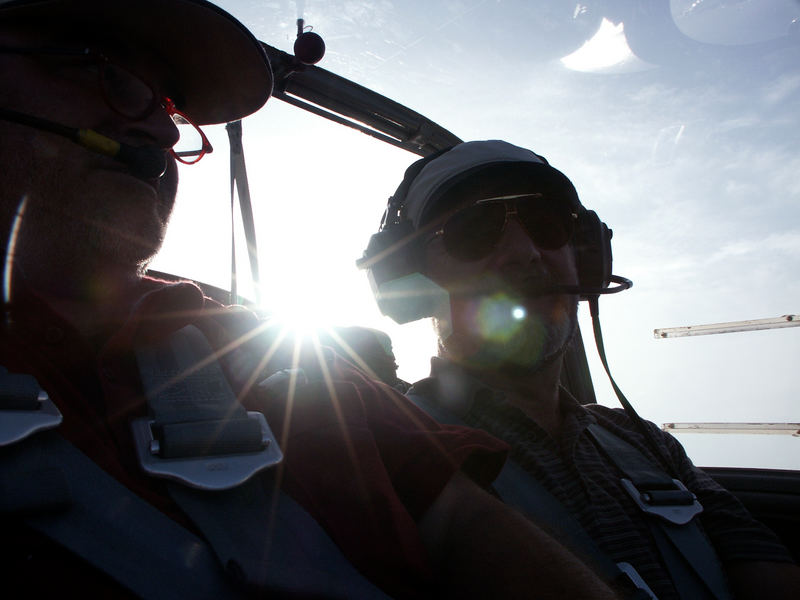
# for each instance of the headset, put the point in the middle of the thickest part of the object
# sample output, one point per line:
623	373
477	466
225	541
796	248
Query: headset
393	256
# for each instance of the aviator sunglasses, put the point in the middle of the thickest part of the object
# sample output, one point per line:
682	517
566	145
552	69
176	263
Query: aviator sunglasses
473	232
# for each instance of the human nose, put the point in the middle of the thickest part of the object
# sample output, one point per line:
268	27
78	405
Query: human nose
156	129
516	248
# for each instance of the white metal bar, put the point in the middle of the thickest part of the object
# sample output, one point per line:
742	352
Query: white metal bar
749	428
730	327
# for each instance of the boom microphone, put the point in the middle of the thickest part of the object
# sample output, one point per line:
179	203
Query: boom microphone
622	284
146	162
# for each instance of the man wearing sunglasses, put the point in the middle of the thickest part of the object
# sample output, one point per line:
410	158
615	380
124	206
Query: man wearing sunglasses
493	242
154	443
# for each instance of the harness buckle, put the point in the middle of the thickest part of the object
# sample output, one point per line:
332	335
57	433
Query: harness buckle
207	455
25	406
675	505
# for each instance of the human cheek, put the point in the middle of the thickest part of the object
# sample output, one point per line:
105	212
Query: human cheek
561	264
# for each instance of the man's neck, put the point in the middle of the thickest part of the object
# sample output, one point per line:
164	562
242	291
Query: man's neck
534	392
90	300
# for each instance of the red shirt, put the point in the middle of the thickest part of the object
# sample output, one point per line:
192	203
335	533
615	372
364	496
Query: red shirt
358	456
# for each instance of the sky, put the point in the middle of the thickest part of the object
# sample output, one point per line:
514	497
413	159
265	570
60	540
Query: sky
679	128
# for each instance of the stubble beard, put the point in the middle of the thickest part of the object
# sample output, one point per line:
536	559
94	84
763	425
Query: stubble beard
66	233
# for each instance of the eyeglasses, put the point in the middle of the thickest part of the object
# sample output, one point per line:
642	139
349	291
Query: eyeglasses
132	97
473	232
192	144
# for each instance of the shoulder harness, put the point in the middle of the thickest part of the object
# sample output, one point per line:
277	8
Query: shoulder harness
670	509
218	460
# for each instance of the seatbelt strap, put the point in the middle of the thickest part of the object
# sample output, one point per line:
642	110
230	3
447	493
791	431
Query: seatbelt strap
518	489
267	542
240	182
666	507
218	459
671	510
64	495
197	432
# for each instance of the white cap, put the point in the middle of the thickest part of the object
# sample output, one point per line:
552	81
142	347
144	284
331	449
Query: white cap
439	174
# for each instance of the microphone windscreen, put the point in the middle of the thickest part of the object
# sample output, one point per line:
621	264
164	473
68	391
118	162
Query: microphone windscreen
146	162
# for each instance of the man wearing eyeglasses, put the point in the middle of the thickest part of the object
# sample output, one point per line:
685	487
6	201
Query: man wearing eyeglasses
154	443
493	242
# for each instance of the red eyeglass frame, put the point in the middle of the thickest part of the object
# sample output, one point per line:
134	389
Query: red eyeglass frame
206	148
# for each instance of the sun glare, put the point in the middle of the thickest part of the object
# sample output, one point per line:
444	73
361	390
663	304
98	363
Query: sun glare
298	315
607	51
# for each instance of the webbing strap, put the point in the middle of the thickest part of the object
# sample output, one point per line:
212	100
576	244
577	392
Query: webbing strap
518	489
522	491
690	547
269	543
628	459
101	521
688	554
261	537
184	382
691	561
199	433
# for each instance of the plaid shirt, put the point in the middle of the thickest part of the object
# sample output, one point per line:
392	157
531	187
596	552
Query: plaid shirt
576	472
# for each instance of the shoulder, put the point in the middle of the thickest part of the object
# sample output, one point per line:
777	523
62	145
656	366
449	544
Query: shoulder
620	423
668	448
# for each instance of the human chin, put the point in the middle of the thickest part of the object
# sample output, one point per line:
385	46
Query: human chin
513	339
131	219
491	330
124	234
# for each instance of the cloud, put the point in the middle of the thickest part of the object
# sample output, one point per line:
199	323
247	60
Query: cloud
782	88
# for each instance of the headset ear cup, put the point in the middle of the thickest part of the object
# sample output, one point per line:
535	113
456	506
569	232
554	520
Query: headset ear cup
391	253
393	257
592	243
392	260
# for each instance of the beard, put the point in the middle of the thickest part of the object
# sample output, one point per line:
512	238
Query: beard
71	222
509	328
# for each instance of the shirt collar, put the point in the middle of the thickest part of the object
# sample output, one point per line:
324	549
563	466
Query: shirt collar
451	387
456	390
